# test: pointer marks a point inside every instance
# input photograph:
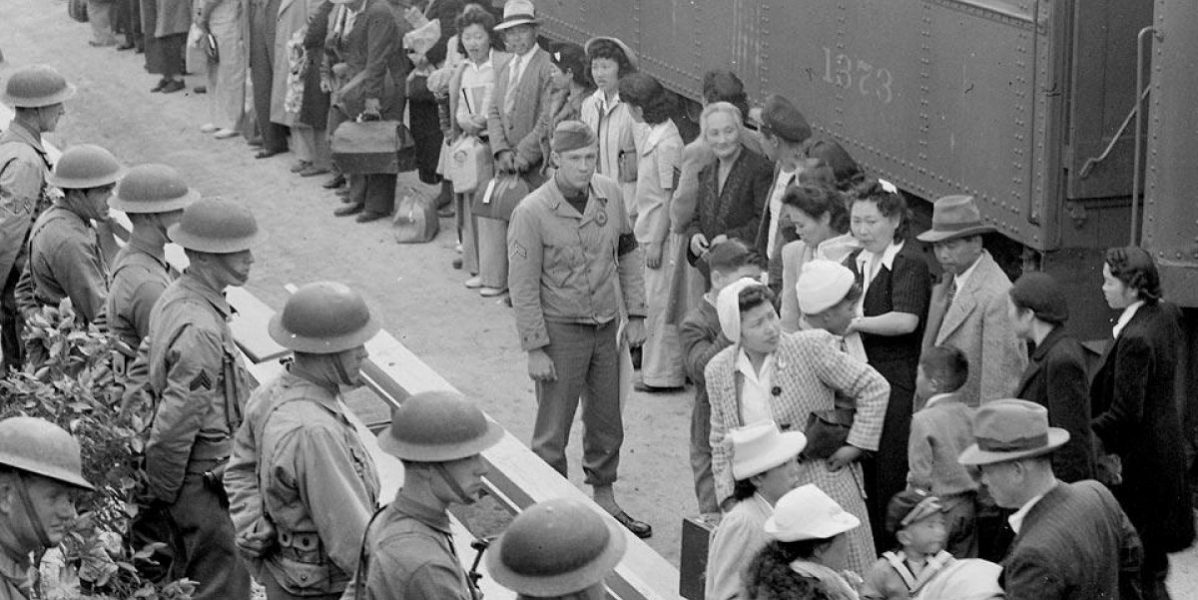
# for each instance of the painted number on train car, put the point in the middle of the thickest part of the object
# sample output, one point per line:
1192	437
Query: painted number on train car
846	72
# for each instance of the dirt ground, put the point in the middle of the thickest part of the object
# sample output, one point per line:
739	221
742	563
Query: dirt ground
470	340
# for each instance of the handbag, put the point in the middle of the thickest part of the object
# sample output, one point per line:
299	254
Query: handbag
77	10
369	147
501	196
416	220
468	160
827	431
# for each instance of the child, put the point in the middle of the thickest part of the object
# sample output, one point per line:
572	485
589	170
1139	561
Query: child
940	431
702	339
916	520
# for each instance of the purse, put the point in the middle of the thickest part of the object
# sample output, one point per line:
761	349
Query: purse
827	431
469	158
501	196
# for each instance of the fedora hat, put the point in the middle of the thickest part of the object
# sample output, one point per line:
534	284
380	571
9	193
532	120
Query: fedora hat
628	53
517	12
1011	429
955	217
807	513
759	447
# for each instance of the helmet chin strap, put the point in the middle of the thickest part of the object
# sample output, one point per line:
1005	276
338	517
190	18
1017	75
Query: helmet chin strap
453	484
31	513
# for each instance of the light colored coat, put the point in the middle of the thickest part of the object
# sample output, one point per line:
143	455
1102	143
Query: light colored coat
516	131
738	538
978	325
293	16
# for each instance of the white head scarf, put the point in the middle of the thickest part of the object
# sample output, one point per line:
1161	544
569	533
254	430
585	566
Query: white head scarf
727	306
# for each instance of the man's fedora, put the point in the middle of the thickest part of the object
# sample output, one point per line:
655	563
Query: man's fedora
955	217
517	12
1011	429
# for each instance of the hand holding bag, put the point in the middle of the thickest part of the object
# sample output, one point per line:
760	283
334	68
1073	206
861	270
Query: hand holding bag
501	196
362	147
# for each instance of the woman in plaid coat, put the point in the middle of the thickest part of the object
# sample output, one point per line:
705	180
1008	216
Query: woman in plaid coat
768	374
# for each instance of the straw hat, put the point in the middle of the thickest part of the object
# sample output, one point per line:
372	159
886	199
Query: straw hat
516	13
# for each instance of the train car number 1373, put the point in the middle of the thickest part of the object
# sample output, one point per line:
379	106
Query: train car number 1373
843	71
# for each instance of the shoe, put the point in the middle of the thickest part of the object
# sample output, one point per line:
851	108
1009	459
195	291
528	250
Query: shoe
343	191
635	355
367	217
299	165
161	84
255	142
640	529
125	46
173	86
457	263
224	134
312	171
268	153
207	128
200	89
474	283
490	292
335	182
351	209
653	389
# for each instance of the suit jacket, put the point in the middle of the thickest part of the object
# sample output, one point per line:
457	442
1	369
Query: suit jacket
735	210
1056	379
1136	416
1075	544
516	131
374	50
977	324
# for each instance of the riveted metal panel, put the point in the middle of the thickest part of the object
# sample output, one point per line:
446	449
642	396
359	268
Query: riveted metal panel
1170	229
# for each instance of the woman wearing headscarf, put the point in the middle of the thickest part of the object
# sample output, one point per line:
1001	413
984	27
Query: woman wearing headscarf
767	375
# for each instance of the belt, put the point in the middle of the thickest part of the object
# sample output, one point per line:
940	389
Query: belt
302	547
211	448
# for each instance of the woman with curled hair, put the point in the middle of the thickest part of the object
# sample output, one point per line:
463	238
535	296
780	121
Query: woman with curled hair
822	224
607	113
1135	415
897	288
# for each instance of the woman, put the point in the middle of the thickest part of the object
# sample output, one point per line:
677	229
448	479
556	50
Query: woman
1134	405
822	224
469	99
732	190
809	533
765	468
309	130
897	286
1056	376
572	84
166	23
767	375
609	60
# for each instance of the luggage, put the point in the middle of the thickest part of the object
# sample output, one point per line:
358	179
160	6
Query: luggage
416	220
501	196
365	147
468	164
77	10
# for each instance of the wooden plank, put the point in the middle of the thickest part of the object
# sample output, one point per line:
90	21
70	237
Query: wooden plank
249	324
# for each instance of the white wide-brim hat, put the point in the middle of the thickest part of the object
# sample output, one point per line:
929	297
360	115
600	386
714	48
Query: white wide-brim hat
761	446
807	513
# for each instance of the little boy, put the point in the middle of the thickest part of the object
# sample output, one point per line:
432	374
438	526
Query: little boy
916	519
940	431
701	340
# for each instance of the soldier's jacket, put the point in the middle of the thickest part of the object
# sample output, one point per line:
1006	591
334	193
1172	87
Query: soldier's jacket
64	261
197	379
14	578
23	169
299	464
140	275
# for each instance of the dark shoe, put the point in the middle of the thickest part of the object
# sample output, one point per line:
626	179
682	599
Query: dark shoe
335	182
652	389
161	84
267	153
173	86
200	89
312	171
125	46
457	263
635	353
350	209
640	529
367	217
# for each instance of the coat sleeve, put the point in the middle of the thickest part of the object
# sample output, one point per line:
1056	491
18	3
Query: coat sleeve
920	455
756	194
496	135
721	469
698	348
857	380
326	477
1133	365
78	269
141	302
1004	356
1028	575
435	579
526	255
791	316
631	263
241	480
1069	408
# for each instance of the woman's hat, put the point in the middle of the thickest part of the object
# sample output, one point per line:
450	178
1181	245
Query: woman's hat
759	447
556	547
822	284
955	217
628	53
517	12
807	513
1011	429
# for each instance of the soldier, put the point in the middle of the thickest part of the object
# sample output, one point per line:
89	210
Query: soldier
40	472
37	93
65	256
301	485
408	548
200	385
557	549
154	197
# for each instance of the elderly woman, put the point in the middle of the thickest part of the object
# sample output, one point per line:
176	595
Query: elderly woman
822	223
732	190
1135	412
765	468
571	85
610	59
470	97
786	378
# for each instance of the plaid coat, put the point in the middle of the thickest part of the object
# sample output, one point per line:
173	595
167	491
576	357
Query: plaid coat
809	371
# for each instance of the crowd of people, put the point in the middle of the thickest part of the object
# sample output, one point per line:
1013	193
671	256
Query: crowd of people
859	430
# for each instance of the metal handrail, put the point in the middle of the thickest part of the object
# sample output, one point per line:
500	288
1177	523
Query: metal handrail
1136	190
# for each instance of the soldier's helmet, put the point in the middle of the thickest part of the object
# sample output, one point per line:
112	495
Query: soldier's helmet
152	188
216	226
85	166
438	426
42	448
36	86
555	548
325	317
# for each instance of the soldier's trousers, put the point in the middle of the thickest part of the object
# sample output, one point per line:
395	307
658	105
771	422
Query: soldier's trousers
208	554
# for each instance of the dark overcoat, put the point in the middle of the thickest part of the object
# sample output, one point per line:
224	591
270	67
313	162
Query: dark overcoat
735	210
1056	379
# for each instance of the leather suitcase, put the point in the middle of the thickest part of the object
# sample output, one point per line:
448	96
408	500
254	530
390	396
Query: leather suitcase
692	573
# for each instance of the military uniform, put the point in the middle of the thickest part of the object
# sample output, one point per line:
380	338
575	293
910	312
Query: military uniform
140	274
23	170
64	261
201	385
299	464
14	577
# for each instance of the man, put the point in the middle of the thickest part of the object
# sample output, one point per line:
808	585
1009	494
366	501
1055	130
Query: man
408	549
200	385
40	474
1072	541
301	485
263	15
571	249
67	257
557	549
522	89
784	132
36	93
154	197
969	308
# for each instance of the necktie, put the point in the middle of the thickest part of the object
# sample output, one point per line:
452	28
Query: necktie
509	98
951	293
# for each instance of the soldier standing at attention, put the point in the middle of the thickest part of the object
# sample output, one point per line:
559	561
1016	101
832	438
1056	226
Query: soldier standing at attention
200	385
36	93
408	548
40	472
301	485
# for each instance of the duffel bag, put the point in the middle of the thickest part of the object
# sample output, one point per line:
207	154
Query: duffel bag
416	220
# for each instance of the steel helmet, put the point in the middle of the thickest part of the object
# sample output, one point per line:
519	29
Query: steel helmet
438	426
40	447
85	166
35	86
323	318
152	188
216	226
556	547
